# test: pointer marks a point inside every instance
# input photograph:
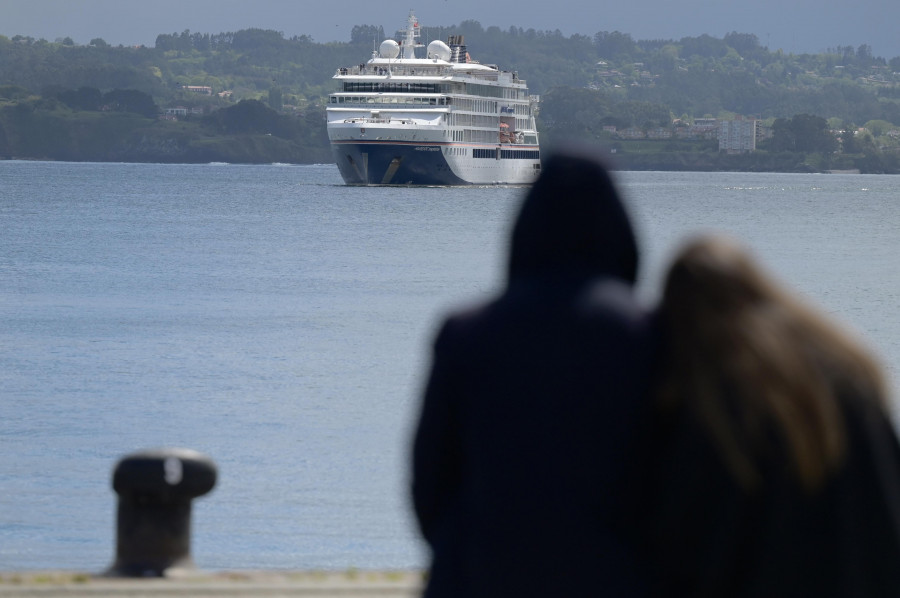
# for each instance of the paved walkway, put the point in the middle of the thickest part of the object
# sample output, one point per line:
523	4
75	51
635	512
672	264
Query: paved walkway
234	584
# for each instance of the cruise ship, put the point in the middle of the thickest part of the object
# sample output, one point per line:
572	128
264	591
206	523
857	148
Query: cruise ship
443	119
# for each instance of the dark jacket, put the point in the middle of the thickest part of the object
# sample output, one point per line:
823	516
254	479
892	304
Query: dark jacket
529	407
704	535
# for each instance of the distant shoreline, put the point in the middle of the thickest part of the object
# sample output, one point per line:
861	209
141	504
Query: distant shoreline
616	166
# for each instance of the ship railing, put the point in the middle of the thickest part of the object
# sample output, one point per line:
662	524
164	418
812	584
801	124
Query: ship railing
395	70
419	71
369	120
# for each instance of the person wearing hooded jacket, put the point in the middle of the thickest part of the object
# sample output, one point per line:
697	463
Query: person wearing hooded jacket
529	408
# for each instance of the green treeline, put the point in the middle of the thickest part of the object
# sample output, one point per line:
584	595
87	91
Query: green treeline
256	96
246	132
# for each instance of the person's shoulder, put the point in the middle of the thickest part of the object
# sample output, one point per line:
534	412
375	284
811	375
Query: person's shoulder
612	297
464	319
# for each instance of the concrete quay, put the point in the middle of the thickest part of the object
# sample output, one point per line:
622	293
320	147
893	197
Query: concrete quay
153	542
351	583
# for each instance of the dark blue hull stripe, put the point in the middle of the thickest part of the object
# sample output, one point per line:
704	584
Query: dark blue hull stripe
373	164
394	164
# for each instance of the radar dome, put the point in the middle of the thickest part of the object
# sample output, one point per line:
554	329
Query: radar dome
438	49
389	49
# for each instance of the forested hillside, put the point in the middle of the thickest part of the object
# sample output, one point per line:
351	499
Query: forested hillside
61	100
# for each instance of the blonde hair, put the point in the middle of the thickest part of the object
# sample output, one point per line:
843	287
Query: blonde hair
747	357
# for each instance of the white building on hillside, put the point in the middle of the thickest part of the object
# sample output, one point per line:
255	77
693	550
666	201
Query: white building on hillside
737	136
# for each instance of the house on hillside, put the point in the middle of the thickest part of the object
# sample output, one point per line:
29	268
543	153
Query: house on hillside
198	89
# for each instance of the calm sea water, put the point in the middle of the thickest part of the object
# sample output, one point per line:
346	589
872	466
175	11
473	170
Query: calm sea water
280	322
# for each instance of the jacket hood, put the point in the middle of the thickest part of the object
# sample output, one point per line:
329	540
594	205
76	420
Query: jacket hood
573	222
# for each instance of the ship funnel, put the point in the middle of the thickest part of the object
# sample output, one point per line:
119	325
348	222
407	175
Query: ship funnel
458	51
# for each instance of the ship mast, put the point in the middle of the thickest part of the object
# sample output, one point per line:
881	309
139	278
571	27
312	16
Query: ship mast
412	34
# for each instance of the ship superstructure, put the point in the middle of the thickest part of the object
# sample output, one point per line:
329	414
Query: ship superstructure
439	120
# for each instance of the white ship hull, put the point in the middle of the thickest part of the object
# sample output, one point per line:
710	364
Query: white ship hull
381	154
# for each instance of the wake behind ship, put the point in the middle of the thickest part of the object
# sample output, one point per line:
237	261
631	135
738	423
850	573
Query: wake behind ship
439	120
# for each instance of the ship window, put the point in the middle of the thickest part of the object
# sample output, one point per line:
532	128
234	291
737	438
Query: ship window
520	154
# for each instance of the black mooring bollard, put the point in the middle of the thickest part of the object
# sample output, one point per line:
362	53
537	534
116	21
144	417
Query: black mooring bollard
155	489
